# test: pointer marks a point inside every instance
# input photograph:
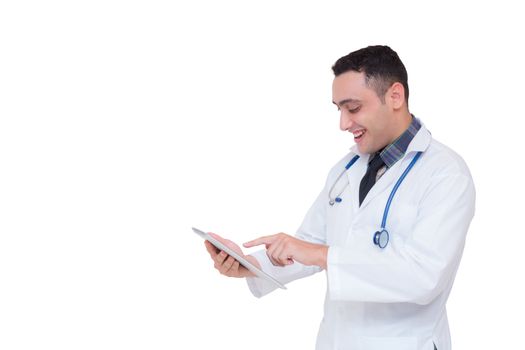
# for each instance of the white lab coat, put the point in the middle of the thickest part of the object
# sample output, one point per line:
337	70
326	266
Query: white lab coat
392	298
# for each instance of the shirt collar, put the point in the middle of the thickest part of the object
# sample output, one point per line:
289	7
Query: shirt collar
416	143
397	149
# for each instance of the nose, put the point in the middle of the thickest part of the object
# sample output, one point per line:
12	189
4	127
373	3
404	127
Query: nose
345	121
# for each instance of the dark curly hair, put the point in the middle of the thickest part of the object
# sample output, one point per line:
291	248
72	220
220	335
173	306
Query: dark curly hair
380	64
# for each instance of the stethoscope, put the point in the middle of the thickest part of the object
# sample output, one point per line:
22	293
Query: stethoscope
382	236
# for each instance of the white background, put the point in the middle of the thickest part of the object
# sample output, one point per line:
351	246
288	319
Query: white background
124	123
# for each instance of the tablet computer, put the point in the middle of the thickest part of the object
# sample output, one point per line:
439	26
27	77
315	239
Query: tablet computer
258	272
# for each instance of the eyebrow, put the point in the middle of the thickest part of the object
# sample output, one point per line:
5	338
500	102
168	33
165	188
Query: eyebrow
346	100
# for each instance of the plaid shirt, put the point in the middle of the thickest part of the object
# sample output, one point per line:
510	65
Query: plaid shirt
396	150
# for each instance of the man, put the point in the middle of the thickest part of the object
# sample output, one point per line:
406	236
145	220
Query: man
389	271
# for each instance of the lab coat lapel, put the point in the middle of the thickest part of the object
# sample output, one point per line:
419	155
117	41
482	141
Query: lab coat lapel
355	174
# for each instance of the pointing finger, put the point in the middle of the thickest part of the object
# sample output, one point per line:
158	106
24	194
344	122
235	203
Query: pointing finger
261	240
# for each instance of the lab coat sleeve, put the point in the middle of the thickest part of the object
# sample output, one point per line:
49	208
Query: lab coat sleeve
418	269
315	234
260	287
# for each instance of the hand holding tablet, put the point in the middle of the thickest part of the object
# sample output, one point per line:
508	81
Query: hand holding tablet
238	256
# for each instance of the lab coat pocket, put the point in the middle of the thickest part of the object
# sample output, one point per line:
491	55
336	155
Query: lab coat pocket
390	343
402	221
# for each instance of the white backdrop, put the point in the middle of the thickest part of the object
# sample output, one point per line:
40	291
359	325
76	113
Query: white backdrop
124	123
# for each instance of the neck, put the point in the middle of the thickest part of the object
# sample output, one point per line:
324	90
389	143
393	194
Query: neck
403	122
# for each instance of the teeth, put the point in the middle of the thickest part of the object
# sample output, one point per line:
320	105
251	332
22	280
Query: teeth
358	133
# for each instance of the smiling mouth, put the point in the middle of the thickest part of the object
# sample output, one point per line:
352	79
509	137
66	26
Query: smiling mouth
359	134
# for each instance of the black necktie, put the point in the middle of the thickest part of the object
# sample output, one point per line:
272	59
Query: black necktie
370	177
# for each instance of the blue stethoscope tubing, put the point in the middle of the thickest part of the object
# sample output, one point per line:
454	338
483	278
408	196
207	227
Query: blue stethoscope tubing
381	237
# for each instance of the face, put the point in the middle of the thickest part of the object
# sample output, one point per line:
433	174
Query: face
362	112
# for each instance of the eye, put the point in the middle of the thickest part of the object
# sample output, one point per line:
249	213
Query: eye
354	110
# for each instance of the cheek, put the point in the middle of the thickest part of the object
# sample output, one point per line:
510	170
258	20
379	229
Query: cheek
378	122
376	131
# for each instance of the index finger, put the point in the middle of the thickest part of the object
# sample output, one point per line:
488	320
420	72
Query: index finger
261	240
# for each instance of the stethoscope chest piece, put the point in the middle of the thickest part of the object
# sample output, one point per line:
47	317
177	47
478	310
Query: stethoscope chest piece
381	238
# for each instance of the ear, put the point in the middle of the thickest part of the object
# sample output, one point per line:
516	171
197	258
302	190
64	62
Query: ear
396	95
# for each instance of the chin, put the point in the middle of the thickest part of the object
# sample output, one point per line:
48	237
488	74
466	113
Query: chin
363	149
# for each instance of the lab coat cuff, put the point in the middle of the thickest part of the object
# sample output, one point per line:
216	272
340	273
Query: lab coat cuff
259	286
332	273
254	286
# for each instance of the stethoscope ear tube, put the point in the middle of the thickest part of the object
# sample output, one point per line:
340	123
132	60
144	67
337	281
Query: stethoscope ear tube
338	199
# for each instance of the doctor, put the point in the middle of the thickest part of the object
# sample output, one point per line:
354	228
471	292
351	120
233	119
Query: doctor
388	227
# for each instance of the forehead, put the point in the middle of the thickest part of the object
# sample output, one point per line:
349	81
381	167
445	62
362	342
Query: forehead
350	85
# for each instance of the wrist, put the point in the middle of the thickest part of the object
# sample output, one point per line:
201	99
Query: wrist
253	260
322	256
